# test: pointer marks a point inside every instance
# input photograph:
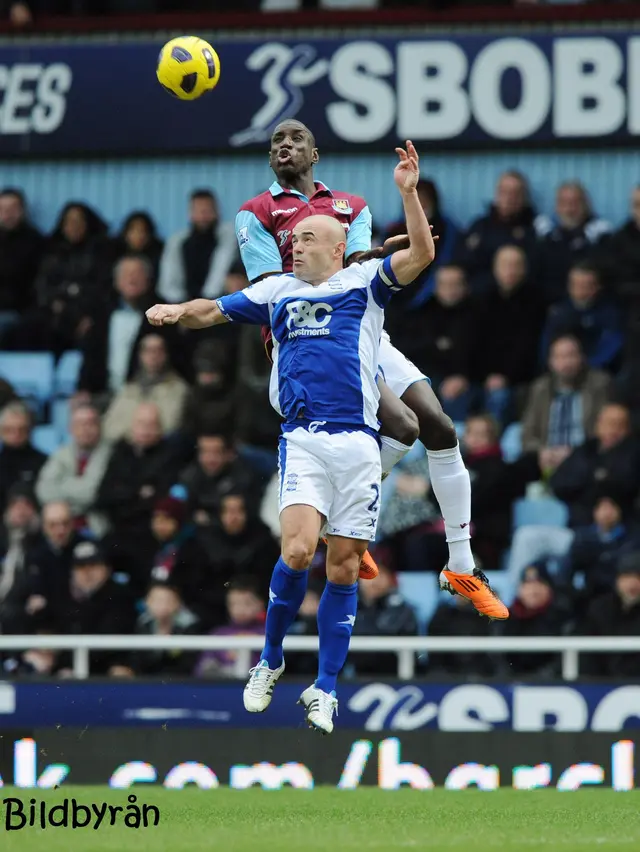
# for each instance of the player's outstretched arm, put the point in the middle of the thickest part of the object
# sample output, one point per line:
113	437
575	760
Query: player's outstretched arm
199	313
408	263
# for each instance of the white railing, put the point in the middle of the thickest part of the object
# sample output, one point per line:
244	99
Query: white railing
405	647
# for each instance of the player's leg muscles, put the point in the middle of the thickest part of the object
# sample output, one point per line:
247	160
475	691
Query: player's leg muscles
300	530
300	527
343	559
398	420
437	431
399	428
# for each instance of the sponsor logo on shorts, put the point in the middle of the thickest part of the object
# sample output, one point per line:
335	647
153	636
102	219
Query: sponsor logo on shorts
291	483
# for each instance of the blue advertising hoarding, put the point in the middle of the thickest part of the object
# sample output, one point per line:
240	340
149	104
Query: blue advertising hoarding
372	706
458	92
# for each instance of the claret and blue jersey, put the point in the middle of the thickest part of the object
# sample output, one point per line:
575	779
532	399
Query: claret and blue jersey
264	225
326	341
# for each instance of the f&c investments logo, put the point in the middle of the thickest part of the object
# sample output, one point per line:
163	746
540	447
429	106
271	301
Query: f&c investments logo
21	814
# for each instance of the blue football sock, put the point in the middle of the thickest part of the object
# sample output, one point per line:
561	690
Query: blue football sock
336	617
286	593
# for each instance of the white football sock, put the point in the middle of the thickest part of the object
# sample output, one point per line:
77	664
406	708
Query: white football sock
452	488
391	451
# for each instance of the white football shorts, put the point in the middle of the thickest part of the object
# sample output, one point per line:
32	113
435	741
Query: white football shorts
338	474
397	371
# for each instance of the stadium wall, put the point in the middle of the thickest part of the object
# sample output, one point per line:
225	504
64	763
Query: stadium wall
466	180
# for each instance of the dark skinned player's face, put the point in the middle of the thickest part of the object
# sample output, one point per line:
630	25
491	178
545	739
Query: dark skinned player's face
292	152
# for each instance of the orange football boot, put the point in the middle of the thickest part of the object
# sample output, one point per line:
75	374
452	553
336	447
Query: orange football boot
475	587
368	567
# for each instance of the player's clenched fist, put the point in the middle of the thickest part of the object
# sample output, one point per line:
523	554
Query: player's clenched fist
164	314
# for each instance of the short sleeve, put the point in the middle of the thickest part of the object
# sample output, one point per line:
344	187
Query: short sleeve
383	281
359	233
250	305
258	248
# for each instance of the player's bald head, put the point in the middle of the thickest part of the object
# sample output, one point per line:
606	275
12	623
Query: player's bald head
325	228
319	244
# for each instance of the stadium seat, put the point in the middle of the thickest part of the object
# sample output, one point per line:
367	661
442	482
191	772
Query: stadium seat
459	427
30	374
420	590
546	512
511	442
60	417
46	439
67	373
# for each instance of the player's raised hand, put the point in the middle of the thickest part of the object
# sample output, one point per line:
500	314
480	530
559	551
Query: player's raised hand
407	173
164	314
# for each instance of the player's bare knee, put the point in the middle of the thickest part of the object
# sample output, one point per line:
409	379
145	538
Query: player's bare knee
437	431
298	553
345	572
402	425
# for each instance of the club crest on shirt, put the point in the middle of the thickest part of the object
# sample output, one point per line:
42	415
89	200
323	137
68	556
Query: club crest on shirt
341	205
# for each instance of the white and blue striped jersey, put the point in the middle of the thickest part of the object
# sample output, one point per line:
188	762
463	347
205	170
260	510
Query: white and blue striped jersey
326	341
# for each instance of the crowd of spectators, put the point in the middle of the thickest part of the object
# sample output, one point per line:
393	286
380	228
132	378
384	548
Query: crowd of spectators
158	515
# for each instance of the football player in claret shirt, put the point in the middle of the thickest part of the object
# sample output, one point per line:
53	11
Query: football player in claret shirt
264	227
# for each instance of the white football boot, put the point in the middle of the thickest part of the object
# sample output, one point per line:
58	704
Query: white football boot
319	707
259	689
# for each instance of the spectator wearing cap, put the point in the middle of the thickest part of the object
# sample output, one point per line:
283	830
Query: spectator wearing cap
155	381
572	234
217	471
74	472
18	537
538	610
508	222
196	261
239	543
382	611
616	613
180	560
94	604
507	320
246	615
164	614
591	315
21	247
562	405
459	618
141	469
610	459
211	403
20	462
596	549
